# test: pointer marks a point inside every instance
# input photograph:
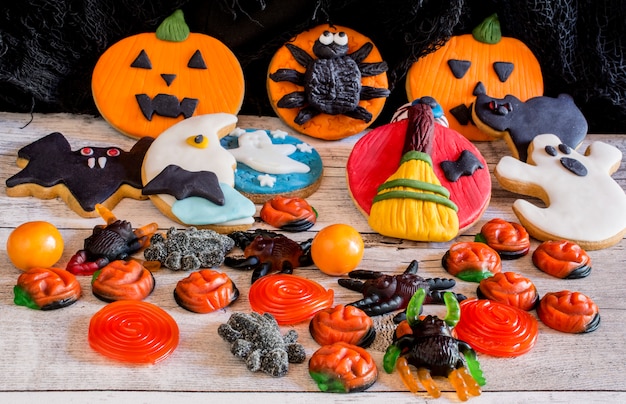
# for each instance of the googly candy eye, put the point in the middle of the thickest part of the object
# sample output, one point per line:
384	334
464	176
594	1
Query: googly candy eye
326	38
340	38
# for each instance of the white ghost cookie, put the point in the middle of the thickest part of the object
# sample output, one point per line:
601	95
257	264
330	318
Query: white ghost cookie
583	203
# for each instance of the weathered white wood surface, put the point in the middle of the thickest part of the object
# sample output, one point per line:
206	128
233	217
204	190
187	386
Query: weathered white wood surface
46	356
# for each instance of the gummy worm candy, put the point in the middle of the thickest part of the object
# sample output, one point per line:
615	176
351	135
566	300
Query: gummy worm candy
291	299
496	328
133	331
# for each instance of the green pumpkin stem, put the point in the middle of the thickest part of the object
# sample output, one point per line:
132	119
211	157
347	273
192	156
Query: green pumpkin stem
173	28
488	31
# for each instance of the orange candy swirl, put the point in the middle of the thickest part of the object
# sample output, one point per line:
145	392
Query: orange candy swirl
496	329
570	312
133	331
291	299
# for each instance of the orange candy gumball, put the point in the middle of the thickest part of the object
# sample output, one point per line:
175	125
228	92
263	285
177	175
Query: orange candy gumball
337	249
35	244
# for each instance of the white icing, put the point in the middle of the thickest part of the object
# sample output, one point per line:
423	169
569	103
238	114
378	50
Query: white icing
257	151
278	134
171	147
266	180
304	147
589	208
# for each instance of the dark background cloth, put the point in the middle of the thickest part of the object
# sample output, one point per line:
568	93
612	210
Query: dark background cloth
48	48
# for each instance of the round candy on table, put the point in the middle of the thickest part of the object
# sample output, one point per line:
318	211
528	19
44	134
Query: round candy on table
133	331
471	261
34	244
46	289
509	288
122	280
342	324
562	259
342	368
205	291
288	213
509	239
337	249
567	311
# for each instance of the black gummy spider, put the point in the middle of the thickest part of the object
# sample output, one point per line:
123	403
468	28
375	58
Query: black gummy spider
332	82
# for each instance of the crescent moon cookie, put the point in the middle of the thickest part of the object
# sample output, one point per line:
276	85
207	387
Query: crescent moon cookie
329	82
190	177
583	203
271	163
457	163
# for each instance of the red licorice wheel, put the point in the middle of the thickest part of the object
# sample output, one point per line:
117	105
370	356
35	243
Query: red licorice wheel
205	291
46	289
563	259
291	299
496	329
510	240
133	331
288	213
342	324
471	261
122	280
509	288
342	368
570	312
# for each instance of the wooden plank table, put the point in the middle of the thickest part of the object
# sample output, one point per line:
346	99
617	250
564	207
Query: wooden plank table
46	356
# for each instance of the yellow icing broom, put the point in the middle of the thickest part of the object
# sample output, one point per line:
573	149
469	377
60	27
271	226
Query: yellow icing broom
412	204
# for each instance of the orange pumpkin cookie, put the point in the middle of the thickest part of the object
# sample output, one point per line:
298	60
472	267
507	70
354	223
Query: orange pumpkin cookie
205	291
483	60
509	288
471	261
122	280
328	82
147	82
342	324
570	312
46	289
510	240
342	368
563	259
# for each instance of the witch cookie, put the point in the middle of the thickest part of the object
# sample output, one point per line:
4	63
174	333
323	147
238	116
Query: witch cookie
271	163
147	82
583	203
329	82
190	177
82	178
519	122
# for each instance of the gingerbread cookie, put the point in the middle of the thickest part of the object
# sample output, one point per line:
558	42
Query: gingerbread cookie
328	82
147	82
519	122
82	178
377	155
271	163
190	177
583	203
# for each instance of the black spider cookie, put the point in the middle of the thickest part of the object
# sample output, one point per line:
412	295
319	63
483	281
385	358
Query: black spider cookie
83	177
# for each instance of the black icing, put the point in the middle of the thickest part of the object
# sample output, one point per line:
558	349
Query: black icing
479	89
565	149
51	162
574	166
503	70
142	61
181	184
551	150
196	61
168	78
459	67
466	164
166	105
462	114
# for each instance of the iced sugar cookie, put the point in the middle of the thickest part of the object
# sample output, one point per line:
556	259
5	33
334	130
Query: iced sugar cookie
583	203
147	82
329	82
190	177
271	163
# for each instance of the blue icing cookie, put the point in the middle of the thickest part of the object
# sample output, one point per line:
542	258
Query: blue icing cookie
199	211
260	185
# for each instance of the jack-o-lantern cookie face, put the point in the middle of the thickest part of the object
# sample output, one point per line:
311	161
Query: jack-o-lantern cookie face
147	82
483	61
328	82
